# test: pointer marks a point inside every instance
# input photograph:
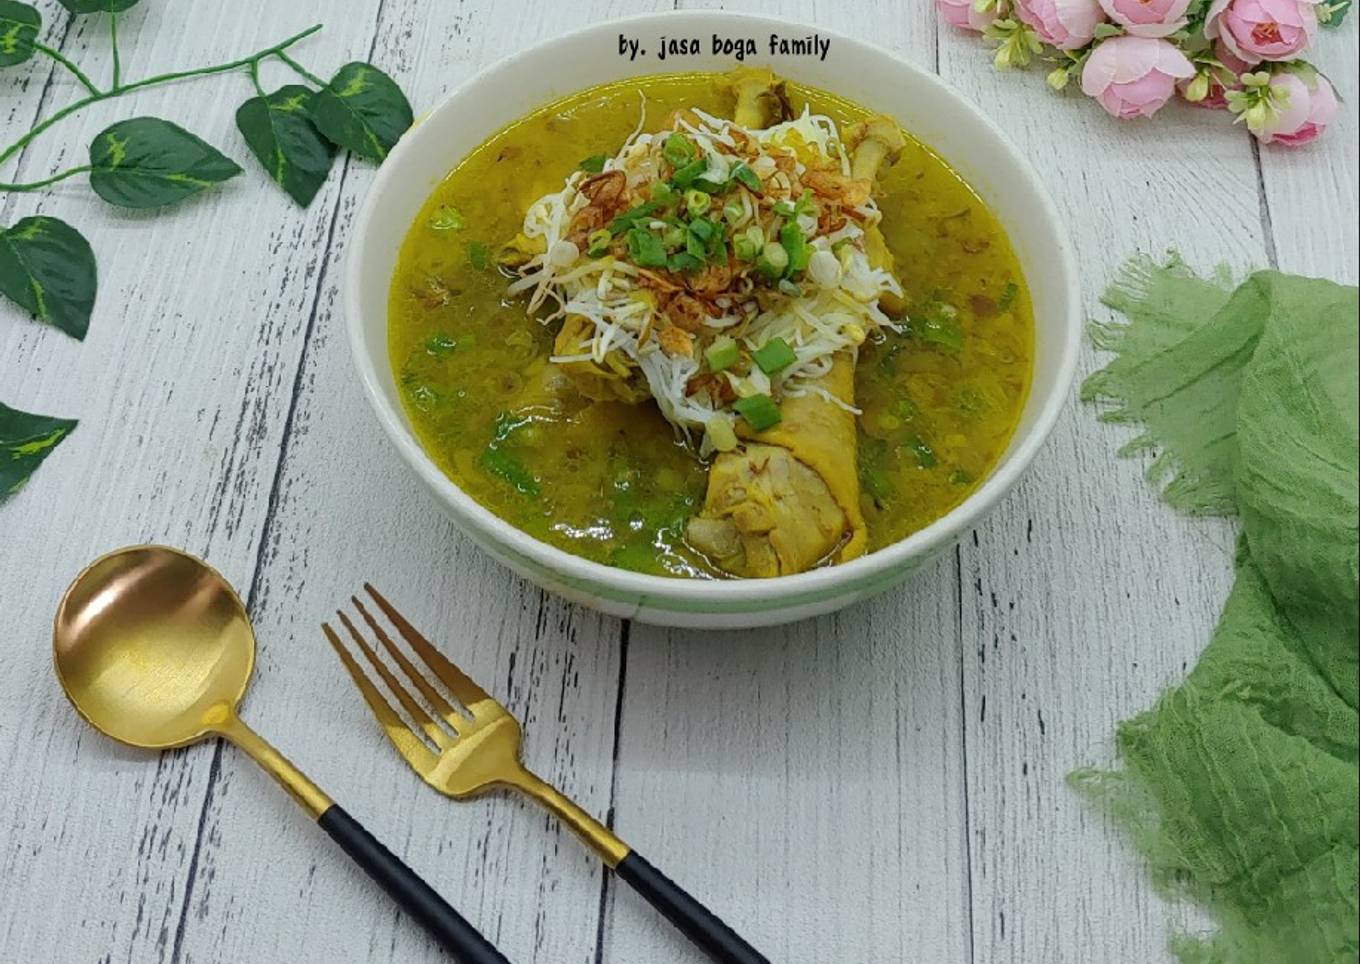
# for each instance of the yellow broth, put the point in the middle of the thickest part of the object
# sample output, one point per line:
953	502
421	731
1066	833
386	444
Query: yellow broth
609	481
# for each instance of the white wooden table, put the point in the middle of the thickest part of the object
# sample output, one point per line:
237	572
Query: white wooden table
881	785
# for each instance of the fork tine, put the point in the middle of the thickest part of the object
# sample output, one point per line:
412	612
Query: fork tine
413	709
459	683
407	742
441	705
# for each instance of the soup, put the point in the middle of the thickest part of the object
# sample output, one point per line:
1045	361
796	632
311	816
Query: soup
832	374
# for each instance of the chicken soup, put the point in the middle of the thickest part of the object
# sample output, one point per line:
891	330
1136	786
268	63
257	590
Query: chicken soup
710	326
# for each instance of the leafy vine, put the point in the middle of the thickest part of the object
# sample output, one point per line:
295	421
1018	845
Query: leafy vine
48	268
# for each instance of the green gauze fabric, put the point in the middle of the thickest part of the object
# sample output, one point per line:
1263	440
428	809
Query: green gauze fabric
1242	786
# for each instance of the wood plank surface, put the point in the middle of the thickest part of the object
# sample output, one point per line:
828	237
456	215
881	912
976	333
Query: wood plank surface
182	387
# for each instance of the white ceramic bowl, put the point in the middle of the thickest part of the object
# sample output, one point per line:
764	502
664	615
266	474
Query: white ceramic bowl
942	119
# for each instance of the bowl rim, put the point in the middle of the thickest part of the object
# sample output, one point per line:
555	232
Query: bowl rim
745	594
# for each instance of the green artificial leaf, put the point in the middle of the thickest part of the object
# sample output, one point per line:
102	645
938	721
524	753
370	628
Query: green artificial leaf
363	110
47	268
1331	14
19	26
25	440
147	162
280	133
98	6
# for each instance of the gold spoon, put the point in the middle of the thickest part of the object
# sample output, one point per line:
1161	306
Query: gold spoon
154	648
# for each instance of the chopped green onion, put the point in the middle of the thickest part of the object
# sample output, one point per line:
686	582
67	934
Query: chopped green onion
696	202
687	175
721	433
722	354
772	261
710	186
447	218
744	248
678	150
925	455
593	164
597	245
717	245
440	345
509	424
734	210
747	178
674	236
478	255
695	246
760	411
661	192
939	331
506	467
791	289
960	477
628	219
646	249
800	252
802	206
683	261
703	228
876	483
774	355
502	464
1008	296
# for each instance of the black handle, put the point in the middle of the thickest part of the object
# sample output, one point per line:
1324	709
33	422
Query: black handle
414	896
696	921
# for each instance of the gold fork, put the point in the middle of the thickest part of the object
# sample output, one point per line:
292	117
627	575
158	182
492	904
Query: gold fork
475	747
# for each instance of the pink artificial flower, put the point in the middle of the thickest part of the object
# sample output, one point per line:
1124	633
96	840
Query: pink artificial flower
1305	114
1134	76
1065	24
1147	18
1257	30
961	14
1229	59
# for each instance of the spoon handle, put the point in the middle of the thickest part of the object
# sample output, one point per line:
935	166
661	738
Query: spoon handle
414	896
